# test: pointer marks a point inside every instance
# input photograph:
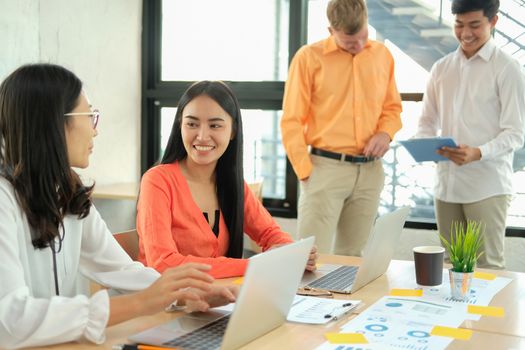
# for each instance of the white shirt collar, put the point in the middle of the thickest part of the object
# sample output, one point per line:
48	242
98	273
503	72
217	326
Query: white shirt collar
485	52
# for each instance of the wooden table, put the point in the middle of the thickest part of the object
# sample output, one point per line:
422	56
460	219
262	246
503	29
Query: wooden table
488	333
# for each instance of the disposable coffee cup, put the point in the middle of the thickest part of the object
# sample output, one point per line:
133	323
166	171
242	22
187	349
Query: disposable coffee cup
428	261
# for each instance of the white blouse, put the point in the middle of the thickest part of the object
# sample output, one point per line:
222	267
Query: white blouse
479	102
30	312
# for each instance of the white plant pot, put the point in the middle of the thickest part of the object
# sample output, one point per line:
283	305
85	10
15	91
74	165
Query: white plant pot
460	284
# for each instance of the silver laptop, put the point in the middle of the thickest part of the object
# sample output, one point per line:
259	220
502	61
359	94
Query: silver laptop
378	252
269	286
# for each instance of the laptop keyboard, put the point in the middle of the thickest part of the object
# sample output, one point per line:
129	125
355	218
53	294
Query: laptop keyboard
208	337
338	280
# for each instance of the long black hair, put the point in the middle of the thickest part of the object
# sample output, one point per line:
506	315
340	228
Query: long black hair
229	170
33	156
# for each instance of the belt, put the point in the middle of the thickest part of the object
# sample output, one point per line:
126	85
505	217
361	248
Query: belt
341	156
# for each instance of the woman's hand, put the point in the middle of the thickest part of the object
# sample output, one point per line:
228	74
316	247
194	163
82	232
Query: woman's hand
183	283
216	296
311	264
312	258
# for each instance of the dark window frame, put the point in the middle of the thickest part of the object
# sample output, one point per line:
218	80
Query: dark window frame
258	95
156	93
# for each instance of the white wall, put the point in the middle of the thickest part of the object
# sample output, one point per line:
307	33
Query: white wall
99	40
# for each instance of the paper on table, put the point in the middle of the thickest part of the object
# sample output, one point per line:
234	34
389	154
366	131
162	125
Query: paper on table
405	323
482	289
314	310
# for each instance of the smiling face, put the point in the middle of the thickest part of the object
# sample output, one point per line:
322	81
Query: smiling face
206	130
473	30
79	134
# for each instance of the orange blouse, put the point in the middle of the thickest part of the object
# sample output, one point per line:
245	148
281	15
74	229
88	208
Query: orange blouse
173	230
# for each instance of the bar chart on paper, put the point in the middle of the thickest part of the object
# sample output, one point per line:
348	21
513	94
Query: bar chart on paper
481	291
404	323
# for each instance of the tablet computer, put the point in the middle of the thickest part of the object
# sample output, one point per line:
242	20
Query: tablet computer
424	149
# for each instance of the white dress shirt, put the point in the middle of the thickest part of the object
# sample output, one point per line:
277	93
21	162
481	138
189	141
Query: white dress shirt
30	312
480	102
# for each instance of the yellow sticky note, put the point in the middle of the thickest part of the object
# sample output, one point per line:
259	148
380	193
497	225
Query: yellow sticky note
346	338
456	333
494	311
239	280
406	292
484	275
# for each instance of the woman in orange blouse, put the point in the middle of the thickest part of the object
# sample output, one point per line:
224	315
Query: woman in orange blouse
195	205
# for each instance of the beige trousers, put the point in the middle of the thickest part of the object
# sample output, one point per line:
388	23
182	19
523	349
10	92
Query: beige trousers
338	204
492	212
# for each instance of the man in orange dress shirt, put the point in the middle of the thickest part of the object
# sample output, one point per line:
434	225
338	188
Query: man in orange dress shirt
341	110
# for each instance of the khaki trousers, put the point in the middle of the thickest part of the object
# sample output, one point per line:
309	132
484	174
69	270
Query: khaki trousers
492	212
338	204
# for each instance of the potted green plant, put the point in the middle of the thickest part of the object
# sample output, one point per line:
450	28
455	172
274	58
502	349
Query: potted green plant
463	251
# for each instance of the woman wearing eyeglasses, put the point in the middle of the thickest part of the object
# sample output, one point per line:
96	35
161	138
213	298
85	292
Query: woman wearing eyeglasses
50	233
195	205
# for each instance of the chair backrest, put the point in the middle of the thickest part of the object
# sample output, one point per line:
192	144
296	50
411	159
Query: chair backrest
250	246
129	241
256	188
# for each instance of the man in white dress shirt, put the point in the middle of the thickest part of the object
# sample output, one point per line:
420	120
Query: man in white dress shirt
476	95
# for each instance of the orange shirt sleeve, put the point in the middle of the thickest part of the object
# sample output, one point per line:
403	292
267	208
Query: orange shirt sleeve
259	224
390	120
296	103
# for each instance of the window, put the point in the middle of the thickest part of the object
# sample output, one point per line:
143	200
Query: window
208	40
184	43
250	43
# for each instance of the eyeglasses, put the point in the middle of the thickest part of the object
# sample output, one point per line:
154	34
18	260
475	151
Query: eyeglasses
94	116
